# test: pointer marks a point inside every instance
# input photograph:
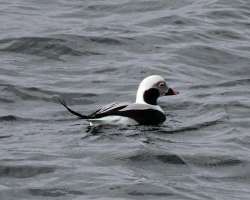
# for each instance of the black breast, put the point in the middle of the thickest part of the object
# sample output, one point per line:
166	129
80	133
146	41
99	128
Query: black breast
145	117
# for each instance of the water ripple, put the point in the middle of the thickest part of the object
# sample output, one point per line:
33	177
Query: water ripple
97	52
24	171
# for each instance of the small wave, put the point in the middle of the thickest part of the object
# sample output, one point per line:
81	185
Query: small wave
195	126
5	136
165	158
170	20
224	34
223	13
9	118
53	192
229	83
5	100
213	161
24	171
104	40
156	194
86	39
51	48
14	118
210	55
34	93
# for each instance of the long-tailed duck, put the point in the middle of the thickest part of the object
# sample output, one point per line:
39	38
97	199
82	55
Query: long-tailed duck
145	110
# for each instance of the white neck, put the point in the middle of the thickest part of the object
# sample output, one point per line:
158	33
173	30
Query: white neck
139	96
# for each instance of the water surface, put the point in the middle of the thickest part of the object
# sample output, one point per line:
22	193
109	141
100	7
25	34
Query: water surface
94	52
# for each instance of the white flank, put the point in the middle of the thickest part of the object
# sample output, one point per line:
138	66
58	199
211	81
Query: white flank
112	120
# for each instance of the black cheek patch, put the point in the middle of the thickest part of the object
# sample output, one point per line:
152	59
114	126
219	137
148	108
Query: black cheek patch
151	95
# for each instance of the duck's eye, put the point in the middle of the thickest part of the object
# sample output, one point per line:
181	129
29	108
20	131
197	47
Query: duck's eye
161	84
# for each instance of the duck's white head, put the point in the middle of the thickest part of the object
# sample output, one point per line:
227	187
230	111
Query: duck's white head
151	88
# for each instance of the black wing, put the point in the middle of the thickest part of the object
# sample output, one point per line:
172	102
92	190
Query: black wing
110	109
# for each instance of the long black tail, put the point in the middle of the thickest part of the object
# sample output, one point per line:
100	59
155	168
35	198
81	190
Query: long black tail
61	101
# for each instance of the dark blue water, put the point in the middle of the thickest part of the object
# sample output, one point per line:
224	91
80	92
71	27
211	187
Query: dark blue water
94	52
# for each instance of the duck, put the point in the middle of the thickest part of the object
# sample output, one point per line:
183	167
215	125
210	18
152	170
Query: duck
144	111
